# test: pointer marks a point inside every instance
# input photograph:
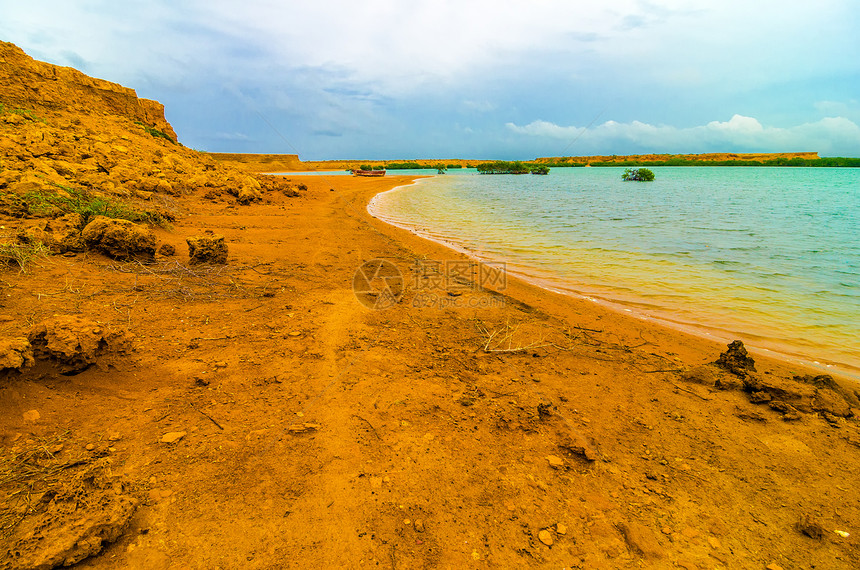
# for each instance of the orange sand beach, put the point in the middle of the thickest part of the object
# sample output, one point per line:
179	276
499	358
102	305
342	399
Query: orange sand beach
337	392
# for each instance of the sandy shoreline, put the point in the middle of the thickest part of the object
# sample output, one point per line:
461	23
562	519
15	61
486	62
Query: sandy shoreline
760	346
474	429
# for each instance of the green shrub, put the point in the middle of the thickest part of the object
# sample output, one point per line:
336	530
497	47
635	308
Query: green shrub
155	132
88	206
503	167
638	174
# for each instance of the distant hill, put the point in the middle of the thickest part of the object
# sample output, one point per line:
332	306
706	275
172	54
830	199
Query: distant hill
292	163
645	159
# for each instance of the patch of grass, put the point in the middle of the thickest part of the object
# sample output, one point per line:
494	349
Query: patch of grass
159	134
23	112
79	201
21	255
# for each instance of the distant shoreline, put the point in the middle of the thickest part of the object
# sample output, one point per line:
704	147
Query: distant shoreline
292	163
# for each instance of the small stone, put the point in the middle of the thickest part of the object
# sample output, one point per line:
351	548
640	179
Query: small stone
666	530
773	566
31	416
545	537
90	447
207	249
114	436
221	364
555	461
112	449
407	522
560	529
303	428
810	527
173	436
714	542
419	525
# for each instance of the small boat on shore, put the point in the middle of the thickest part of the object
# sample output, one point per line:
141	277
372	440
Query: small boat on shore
359	172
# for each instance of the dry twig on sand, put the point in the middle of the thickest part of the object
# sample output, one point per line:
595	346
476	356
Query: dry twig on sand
175	280
501	340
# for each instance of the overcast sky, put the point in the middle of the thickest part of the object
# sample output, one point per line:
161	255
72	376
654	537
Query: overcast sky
471	78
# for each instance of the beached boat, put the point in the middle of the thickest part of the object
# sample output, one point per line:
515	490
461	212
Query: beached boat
359	172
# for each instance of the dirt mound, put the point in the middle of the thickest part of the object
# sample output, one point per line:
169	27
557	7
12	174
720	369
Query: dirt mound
58	512
120	239
736	360
60	235
74	342
15	354
207	249
735	370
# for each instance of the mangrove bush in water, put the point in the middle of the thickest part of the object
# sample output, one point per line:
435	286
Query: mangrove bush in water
638	175
516	167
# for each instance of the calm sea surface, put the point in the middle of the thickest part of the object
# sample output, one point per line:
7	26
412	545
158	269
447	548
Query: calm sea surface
767	255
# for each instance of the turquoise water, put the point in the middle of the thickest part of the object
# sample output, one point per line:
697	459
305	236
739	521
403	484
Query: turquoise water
767	255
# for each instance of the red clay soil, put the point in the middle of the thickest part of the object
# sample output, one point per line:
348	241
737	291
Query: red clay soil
321	433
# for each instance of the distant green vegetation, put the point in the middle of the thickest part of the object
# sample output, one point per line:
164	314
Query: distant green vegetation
563	164
782	161
412	165
515	167
404	166
638	175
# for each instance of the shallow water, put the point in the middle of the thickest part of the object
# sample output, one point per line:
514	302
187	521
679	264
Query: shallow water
768	255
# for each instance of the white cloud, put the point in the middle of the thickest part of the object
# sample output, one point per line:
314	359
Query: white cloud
849	109
401	47
345	66
829	136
